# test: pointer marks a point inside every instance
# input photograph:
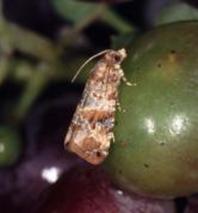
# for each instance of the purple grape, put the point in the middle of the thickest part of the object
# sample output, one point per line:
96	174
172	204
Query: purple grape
87	190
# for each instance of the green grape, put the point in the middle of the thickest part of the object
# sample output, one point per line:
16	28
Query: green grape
156	147
10	146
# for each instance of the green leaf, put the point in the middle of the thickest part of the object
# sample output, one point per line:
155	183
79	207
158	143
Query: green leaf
33	88
116	21
76	11
81	14
175	12
14	37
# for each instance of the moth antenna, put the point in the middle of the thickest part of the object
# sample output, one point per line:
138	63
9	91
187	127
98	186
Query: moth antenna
86	62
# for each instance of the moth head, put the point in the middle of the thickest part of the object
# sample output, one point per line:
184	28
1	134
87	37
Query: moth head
116	57
110	56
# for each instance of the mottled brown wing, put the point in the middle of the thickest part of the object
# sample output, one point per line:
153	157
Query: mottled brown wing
84	136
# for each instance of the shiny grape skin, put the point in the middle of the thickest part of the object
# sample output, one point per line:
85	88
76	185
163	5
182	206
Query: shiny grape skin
87	190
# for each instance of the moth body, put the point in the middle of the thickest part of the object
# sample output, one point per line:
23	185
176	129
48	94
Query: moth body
91	130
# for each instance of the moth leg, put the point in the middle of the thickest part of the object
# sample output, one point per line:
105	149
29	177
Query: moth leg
112	136
128	83
118	106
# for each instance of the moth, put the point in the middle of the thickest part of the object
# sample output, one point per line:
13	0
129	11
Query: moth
91	130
